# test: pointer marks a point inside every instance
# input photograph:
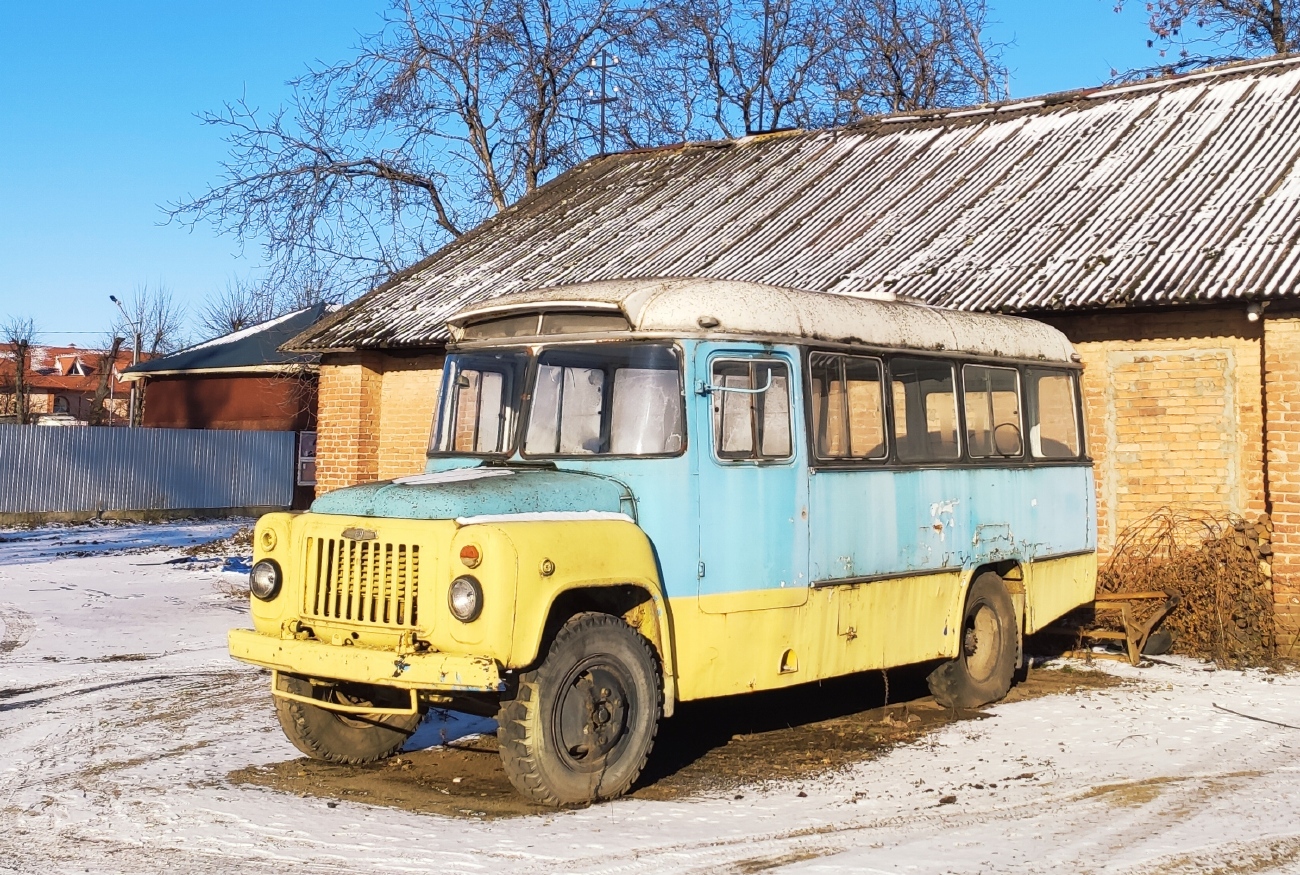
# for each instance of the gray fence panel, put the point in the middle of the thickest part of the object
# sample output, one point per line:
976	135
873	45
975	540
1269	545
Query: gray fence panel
56	470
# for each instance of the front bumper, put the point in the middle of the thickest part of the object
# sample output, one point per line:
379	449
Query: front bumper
411	671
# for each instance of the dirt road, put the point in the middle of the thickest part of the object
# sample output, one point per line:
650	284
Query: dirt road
725	746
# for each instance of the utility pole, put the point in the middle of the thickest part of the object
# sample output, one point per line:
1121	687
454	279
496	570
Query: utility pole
606	64
135	359
763	66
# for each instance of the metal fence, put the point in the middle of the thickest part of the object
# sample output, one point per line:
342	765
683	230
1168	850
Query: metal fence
94	470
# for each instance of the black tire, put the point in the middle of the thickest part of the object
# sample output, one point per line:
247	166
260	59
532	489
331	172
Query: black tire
986	661
1159	642
344	738
579	728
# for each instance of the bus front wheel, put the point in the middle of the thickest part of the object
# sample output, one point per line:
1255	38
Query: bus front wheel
579	728
986	660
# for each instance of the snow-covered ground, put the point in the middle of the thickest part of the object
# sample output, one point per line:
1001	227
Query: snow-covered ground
120	716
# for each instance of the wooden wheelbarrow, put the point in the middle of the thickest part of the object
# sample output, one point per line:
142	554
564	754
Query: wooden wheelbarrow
1128	605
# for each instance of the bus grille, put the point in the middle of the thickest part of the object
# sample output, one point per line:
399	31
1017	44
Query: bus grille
362	582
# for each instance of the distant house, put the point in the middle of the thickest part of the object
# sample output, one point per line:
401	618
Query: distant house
62	382
242	382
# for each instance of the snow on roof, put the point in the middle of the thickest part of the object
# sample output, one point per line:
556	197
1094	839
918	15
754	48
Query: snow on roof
255	347
686	306
1182	190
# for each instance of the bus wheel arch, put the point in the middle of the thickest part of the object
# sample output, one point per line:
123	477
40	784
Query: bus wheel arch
635	603
988	647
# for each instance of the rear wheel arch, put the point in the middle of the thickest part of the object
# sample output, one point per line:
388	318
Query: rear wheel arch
989	637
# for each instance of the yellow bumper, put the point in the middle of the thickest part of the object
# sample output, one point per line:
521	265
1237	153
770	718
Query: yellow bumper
413	671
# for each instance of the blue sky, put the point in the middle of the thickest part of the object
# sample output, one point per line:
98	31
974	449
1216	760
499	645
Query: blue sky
98	128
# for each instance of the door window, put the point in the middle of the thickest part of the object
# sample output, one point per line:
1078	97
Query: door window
751	410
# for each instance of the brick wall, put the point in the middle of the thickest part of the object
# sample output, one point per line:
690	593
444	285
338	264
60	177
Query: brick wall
347	433
410	397
1282	398
375	413
1174	409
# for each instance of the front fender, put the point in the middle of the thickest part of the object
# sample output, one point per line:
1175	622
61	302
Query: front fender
555	557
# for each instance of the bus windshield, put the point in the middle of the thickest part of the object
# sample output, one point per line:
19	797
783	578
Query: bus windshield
601	400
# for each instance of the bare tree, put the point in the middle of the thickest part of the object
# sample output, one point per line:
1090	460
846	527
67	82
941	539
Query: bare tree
907	55
457	108
18	333
239	305
757	60
1207	32
450	113
105	365
155	322
155	317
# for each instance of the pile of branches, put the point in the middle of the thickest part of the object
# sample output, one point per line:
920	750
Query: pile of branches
1221	565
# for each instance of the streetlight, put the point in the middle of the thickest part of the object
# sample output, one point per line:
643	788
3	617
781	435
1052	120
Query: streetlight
135	357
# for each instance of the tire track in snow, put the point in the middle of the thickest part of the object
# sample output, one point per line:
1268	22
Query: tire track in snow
1057	810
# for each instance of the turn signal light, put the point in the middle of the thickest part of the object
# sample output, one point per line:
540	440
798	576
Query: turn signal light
470	556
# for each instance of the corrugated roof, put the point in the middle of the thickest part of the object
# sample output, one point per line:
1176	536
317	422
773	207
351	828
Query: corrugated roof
257	346
1183	190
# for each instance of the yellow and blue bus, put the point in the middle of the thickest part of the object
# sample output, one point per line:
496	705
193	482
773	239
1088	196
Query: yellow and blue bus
645	492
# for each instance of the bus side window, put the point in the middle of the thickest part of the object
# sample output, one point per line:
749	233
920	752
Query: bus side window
925	410
748	424
847	407
992	404
1054	419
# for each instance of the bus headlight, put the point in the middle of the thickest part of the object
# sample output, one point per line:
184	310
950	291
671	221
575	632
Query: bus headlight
465	598
264	580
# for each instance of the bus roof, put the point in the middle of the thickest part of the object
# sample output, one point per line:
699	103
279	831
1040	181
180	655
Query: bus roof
709	308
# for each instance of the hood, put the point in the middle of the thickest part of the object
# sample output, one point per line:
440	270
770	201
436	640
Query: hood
474	492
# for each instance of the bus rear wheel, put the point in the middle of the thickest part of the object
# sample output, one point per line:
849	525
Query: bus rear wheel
343	738
986	660
580	727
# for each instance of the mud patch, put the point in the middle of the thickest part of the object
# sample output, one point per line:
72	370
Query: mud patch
717	746
755	865
15	628
1131	794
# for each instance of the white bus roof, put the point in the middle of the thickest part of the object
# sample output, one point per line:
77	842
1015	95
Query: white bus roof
705	307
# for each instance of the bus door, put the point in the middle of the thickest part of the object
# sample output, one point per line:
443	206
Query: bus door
753	486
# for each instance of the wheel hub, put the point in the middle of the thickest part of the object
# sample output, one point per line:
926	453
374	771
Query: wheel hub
981	642
592	715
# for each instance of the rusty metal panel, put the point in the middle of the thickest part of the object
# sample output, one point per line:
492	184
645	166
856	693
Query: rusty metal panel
1177	191
78	470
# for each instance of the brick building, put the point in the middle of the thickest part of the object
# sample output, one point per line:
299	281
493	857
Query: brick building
1154	223
62	382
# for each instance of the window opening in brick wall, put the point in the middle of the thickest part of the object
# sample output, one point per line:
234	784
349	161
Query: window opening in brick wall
306	458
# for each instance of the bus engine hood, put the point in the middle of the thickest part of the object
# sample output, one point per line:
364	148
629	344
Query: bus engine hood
479	492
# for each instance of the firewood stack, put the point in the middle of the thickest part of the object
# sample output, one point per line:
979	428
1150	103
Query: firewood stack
1222	566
